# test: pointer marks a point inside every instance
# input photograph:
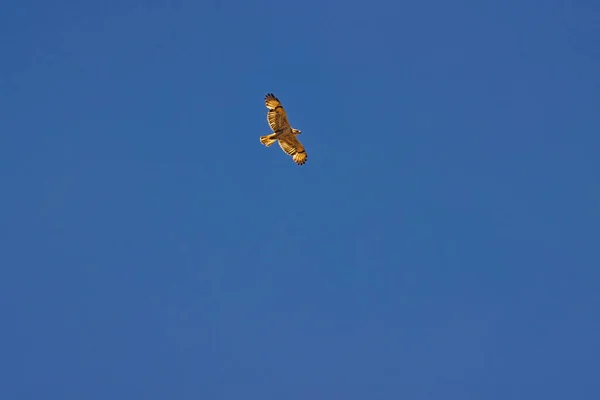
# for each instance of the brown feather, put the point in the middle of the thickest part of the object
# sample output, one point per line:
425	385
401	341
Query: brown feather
277	117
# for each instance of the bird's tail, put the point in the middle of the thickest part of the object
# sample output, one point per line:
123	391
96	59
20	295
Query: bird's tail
268	140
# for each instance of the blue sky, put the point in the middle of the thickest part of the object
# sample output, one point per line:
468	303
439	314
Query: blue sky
441	242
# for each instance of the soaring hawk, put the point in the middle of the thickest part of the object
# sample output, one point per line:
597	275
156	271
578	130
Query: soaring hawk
282	131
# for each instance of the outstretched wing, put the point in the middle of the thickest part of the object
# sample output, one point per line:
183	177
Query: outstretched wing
292	146
276	116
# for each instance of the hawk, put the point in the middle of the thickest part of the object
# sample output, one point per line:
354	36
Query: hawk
282	131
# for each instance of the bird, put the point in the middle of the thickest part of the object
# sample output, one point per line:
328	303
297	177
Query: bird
282	131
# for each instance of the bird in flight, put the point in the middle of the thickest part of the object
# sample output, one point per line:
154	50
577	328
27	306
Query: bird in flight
282	131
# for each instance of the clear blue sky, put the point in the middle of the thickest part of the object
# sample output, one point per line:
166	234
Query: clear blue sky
441	242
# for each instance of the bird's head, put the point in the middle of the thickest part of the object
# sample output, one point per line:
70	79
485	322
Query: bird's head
296	131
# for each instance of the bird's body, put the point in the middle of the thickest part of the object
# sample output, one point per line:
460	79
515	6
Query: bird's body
282	131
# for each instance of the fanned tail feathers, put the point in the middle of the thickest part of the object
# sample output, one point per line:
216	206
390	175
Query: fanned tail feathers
267	140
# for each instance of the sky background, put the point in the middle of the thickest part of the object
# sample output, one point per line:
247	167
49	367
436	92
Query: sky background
441	242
